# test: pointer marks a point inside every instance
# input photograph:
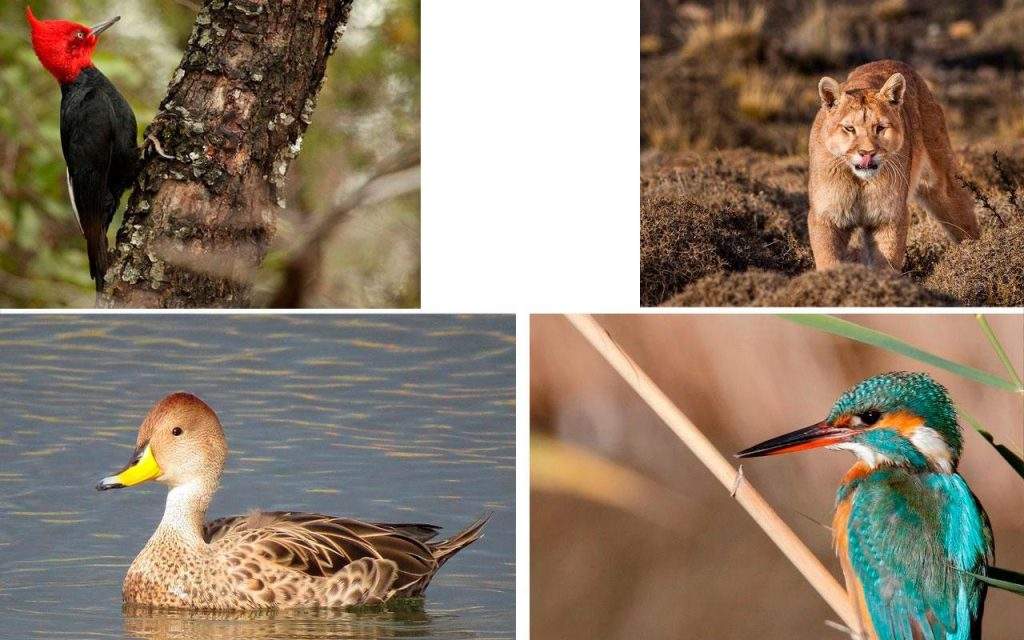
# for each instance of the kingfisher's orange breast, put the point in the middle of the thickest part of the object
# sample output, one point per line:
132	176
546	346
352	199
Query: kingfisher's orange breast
840	530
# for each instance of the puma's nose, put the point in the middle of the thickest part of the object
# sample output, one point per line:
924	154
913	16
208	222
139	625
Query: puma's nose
865	159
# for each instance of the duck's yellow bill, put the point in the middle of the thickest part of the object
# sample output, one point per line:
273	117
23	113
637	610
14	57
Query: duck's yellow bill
143	467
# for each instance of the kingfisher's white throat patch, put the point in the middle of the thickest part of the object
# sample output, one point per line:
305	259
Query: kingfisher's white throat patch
930	443
870	457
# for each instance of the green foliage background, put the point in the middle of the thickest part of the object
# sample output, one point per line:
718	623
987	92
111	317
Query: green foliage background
369	110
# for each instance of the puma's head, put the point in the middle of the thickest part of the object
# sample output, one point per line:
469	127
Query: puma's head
863	126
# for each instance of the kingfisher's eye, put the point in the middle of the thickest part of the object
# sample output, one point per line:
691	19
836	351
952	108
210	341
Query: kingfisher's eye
176	431
869	417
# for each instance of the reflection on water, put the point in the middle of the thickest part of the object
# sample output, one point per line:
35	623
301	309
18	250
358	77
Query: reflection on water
390	418
145	623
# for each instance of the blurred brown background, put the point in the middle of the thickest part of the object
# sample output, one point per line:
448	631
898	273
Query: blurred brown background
635	539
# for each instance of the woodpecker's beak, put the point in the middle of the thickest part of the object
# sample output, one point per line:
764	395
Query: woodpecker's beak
812	437
142	467
103	26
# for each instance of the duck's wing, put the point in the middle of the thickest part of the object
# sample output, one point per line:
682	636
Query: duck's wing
321	545
418	531
216	528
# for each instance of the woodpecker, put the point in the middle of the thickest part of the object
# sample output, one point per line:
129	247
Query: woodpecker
97	129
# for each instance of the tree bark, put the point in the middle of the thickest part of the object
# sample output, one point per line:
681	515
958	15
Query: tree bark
197	226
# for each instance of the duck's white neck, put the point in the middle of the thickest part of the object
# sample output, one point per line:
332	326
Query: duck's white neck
186	510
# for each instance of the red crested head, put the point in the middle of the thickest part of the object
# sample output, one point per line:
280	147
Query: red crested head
64	47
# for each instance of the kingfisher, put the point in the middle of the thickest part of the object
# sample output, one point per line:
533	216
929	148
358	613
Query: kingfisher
97	129
907	529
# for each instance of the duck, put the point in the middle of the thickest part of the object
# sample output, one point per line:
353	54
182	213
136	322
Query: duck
263	559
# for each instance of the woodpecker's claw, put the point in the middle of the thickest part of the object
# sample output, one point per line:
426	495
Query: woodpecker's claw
156	145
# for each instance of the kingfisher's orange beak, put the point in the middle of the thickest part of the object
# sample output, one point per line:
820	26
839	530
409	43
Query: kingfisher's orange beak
812	437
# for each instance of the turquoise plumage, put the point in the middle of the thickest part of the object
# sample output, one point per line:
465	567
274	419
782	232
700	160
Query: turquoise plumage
912	539
908	531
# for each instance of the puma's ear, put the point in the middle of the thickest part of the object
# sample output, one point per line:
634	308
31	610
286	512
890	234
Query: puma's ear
828	89
892	90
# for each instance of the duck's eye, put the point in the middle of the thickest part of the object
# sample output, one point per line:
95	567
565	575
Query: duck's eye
847	128
176	431
870	417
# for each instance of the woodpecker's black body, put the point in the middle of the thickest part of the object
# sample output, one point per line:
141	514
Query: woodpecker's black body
97	134
97	129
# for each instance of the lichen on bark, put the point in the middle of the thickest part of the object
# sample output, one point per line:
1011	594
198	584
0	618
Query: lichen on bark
197	225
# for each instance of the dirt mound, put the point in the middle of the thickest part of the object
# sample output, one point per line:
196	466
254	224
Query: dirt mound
987	272
848	286
700	216
854	285
728	229
723	289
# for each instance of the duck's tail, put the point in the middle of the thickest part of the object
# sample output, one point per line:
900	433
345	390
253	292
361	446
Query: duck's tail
442	550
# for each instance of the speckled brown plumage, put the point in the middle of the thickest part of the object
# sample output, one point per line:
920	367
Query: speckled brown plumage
263	560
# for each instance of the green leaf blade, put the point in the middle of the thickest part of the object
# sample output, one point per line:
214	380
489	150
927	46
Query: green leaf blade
853	331
997	346
1005	579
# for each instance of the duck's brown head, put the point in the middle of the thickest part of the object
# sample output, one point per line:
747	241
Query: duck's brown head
180	441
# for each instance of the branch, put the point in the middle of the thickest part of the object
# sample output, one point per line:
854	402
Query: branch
748	497
386	183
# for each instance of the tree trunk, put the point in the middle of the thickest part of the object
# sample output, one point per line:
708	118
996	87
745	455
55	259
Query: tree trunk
198	226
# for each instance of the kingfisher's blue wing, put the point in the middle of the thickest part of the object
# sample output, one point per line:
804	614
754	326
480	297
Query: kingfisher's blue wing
910	538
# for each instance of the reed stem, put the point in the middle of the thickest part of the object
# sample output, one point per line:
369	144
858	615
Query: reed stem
746	495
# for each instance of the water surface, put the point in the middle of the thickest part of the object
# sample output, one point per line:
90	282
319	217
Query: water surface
388	418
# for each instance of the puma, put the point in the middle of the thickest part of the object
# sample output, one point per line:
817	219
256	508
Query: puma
879	138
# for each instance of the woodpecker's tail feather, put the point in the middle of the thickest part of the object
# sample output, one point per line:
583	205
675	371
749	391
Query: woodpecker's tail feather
443	550
96	245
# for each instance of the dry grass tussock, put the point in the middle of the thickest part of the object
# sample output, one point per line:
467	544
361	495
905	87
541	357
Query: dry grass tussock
729	229
736	32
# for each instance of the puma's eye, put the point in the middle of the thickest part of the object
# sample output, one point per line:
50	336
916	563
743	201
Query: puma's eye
880	128
869	417
847	128
176	431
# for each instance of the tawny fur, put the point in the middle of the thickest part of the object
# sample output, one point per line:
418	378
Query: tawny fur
893	116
